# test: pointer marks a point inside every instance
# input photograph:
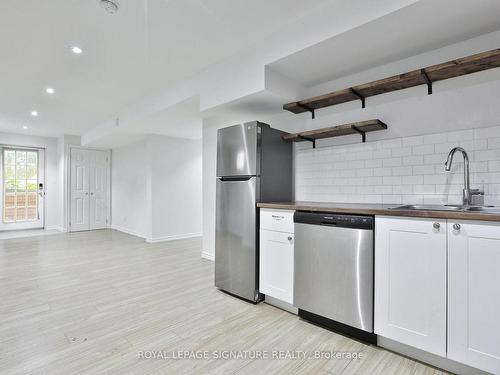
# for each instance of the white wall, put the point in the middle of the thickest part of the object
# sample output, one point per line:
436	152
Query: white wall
130	174
53	200
176	188
156	188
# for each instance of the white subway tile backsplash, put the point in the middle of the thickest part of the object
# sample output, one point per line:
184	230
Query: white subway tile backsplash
365	172
435	179
402	171
460	135
485	133
494	166
403	151
392	162
382	171
424	189
423	169
406	170
435	159
374	181
412	180
392	199
413	160
494	143
373	163
392	180
487	155
435	199
380	154
423	150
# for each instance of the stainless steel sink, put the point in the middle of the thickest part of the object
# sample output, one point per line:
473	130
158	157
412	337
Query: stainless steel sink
429	207
439	207
485	209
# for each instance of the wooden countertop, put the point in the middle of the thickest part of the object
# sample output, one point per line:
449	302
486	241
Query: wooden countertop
378	209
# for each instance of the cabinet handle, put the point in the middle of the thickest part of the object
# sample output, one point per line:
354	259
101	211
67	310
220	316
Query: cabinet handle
456	226
290	238
436	225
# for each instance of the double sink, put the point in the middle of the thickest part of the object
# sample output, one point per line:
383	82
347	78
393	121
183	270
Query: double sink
447	207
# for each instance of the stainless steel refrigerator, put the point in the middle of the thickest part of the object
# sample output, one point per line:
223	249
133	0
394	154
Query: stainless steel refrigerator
254	164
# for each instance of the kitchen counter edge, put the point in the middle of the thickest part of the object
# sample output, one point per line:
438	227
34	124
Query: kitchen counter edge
378	209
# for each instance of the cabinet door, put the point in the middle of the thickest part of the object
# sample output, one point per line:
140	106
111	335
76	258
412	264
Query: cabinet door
474	294
276	265
410	282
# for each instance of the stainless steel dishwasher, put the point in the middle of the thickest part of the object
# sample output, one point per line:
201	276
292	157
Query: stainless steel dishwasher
333	272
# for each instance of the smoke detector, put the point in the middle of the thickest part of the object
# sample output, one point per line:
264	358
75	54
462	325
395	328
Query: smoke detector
110	6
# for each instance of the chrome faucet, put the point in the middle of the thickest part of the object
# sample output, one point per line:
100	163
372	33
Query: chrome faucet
449	160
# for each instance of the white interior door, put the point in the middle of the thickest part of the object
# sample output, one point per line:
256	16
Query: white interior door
98	189
79	190
89	189
22	192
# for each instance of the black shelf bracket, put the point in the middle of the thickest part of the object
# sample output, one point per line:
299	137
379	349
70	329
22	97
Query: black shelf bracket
427	81
363	134
308	139
359	96
307	108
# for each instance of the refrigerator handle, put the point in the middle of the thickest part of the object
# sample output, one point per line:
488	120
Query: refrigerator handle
235	178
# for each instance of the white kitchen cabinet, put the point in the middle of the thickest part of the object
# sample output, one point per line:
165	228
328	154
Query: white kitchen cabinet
474	294
276	254
410	282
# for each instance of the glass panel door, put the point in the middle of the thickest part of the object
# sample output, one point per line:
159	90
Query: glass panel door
21	198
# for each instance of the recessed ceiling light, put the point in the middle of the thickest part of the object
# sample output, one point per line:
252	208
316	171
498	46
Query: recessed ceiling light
76	50
25	127
34	113
50	90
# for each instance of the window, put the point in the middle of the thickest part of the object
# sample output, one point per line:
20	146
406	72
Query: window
20	185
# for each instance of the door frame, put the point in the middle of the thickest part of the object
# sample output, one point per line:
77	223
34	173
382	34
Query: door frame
67	185
44	203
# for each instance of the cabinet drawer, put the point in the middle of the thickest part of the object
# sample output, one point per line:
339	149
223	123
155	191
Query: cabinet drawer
276	220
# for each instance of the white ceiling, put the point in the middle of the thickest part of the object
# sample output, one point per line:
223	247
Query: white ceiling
134	53
421	27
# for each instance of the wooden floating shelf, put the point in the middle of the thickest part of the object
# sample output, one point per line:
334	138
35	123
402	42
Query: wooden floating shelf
361	127
425	76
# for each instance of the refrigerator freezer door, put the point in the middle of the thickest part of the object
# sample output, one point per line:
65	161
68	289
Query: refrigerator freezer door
235	237
237	153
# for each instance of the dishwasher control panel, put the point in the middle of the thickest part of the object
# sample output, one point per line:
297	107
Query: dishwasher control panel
333	219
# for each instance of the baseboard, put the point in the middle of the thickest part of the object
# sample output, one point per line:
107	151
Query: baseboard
56	227
127	231
173	237
281	305
208	255
432	359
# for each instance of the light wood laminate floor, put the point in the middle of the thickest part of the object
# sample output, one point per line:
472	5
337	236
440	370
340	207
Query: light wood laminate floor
89	302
